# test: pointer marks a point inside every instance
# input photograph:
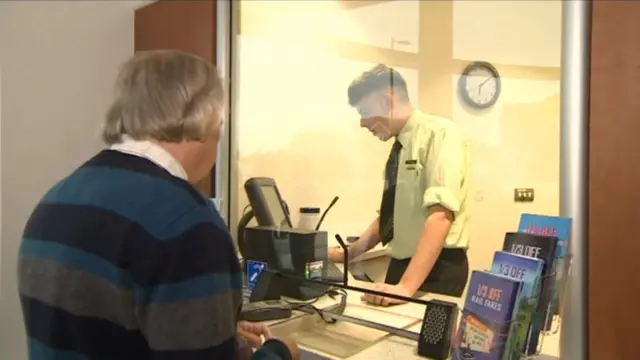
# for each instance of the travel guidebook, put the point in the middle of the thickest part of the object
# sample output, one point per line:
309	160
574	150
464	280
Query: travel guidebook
559	227
539	247
529	271
483	333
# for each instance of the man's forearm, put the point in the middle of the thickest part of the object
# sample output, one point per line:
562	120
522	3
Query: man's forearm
432	238
367	240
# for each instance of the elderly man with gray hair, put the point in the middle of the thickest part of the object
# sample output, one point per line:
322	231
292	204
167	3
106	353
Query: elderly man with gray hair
125	259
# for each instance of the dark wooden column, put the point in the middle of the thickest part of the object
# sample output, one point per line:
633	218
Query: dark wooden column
614	180
187	25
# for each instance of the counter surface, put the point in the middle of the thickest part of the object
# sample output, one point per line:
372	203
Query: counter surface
407	316
375	252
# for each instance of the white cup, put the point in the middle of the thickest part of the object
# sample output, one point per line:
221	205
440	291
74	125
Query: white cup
308	218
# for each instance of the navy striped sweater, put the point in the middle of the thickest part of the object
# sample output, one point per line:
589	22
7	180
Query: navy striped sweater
123	261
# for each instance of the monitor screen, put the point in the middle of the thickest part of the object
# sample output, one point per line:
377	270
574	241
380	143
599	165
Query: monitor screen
275	207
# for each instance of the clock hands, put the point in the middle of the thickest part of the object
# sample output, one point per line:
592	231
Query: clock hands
482	84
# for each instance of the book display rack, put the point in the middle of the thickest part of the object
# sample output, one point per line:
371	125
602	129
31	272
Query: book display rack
510	309
478	338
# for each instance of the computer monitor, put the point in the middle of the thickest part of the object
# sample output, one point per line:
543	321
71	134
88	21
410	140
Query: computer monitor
277	244
267	204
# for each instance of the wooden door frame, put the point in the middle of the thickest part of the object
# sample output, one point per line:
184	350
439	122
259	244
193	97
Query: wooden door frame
187	25
614	175
600	87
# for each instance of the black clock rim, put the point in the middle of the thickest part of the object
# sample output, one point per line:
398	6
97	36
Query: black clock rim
462	82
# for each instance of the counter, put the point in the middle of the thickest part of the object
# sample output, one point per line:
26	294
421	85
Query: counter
371	344
375	252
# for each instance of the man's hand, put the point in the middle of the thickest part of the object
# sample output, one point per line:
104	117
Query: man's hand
389	289
253	333
256	333
336	255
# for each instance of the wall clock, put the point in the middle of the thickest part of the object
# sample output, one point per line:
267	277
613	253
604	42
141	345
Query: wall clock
479	85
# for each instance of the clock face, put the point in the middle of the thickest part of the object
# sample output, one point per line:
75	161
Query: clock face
480	85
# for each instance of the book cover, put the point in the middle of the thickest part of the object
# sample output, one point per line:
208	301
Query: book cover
559	227
486	318
529	271
545	225
539	247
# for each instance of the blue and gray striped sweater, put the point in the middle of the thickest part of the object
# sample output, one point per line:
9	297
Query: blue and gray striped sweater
123	261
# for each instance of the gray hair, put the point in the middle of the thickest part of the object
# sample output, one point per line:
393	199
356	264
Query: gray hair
168	95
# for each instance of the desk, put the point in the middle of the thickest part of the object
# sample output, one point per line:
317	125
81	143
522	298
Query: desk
373	262
375	252
385	347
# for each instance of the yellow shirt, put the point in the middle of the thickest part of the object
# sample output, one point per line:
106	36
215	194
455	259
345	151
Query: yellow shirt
433	169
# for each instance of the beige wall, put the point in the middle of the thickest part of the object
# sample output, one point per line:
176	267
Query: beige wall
296	61
58	61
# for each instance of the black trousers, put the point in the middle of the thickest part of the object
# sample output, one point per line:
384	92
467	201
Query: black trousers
449	275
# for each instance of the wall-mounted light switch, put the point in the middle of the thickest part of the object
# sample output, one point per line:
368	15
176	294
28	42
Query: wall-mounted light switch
523	194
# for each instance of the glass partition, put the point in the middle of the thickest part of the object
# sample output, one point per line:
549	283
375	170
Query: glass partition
292	121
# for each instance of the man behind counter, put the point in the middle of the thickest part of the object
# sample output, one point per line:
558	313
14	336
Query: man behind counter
424	211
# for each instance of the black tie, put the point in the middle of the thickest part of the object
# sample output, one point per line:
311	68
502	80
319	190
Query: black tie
389	194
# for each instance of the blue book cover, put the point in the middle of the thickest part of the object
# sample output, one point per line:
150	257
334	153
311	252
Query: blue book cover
559	227
556	226
529	271
540	247
486	318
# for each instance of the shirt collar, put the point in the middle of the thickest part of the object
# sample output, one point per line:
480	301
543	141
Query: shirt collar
405	133
152	152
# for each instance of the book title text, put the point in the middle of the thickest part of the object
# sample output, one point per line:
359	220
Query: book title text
526	250
512	271
488	297
539	230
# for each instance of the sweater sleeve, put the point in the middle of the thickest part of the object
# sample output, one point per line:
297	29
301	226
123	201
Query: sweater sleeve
187	294
272	350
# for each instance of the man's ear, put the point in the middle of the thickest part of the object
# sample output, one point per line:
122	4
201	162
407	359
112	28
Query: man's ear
389	103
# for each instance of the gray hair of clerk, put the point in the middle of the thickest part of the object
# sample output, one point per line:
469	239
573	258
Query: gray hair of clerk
168	96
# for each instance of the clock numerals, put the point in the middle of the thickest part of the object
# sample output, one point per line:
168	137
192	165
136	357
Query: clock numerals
479	85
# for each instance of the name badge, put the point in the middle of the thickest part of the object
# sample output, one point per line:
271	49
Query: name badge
411	164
